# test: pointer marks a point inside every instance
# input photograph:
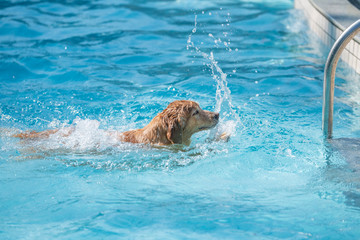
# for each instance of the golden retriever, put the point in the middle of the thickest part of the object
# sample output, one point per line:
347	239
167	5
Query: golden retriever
174	125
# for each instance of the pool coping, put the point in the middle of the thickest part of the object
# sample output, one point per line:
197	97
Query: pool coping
329	21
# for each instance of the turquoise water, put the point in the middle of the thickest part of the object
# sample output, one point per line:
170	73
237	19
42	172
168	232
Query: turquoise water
116	64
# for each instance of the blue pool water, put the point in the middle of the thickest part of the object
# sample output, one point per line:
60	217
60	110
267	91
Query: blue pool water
104	65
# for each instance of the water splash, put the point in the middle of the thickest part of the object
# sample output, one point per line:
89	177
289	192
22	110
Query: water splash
85	143
229	117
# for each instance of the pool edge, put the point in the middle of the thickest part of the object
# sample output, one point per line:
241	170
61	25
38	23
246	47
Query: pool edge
329	29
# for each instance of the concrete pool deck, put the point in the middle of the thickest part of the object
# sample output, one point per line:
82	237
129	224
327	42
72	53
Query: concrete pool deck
328	19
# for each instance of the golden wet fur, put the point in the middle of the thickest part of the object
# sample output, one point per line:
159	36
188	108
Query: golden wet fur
174	125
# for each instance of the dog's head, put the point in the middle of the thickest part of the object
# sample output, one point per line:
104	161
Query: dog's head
184	118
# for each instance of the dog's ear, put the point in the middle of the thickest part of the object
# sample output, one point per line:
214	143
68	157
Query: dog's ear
175	118
175	130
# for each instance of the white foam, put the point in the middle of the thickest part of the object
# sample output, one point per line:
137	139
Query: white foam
83	134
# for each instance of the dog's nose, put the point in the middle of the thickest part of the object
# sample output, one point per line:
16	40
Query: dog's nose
216	116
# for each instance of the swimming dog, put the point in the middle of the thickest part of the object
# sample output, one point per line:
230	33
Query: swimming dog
174	125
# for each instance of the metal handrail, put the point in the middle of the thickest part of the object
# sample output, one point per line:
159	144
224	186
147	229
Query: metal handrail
329	76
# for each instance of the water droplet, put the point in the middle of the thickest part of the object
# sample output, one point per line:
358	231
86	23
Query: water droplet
289	153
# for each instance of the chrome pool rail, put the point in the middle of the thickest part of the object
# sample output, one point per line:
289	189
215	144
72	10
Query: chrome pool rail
329	77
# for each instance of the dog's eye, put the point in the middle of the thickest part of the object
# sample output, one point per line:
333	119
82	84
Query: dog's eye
196	112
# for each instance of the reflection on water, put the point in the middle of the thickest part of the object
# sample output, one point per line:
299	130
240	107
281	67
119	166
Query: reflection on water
343	169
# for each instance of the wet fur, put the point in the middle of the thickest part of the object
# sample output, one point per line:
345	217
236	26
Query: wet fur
174	125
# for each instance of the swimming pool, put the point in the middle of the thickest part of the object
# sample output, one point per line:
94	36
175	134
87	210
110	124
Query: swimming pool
115	65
